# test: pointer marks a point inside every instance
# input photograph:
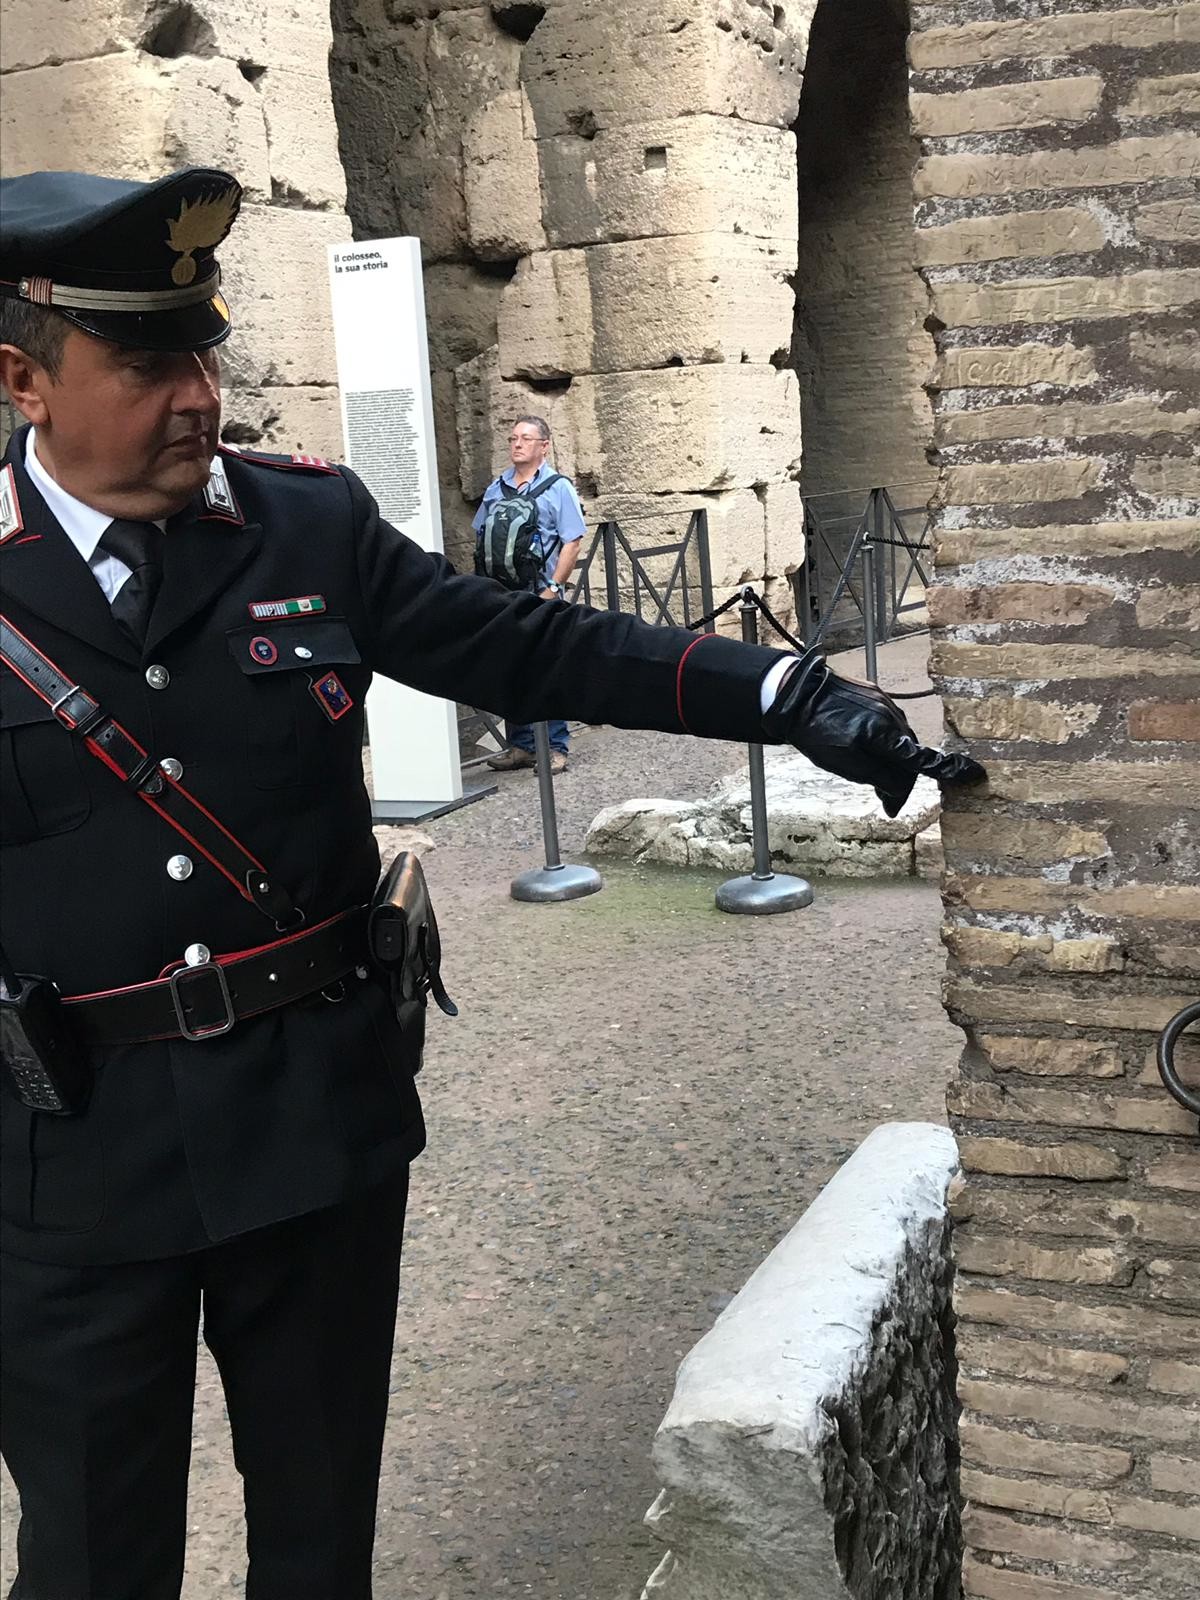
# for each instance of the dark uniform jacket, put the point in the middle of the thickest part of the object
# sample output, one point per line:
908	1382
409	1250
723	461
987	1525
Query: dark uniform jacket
186	1143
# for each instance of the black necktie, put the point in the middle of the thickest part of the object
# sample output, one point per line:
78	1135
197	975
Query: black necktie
139	546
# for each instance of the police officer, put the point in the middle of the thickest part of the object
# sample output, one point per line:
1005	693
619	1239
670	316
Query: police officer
189	635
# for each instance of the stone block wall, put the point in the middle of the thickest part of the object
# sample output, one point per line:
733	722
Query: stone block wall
809	1449
1059	234
607	205
137	88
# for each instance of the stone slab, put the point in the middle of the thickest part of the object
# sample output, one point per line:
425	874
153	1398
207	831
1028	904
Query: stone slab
501	180
590	65
758	1474
816	823
698	174
644	303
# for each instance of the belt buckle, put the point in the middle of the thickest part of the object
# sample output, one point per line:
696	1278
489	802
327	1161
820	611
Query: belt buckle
214	1030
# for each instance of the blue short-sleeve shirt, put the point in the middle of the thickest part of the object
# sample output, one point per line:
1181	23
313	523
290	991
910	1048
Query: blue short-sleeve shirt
560	515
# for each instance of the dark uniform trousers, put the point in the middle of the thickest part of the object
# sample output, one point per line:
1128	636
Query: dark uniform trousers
254	1179
99	1373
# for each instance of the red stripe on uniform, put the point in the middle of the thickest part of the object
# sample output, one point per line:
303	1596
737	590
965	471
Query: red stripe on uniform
679	680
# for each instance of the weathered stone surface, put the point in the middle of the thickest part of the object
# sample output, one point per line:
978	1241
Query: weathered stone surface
1063	299
1144	1327
1010	235
1011	105
1178	95
1173	476
145	115
1158	719
997	717
302	138
711	427
1000	366
992	1447
1065	605
1167	350
736	529
274	276
815	822
49	32
1177	221
1130	29
1012	1159
1052	1058
281	419
1016	662
1066	419
1030	1358
955	548
928	857
787	1416
1019	482
500	176
588	67
648	303
1129	161
461	307
699	174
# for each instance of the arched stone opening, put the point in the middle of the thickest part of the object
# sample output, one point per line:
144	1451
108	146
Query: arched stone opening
859	346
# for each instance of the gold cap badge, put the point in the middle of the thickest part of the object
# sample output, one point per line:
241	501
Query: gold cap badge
199	225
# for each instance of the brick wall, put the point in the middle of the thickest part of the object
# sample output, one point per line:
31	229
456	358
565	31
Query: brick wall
1059	232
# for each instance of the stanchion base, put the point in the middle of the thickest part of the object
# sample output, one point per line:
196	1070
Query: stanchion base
566	882
760	897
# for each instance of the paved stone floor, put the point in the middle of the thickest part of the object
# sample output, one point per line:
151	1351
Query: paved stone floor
639	1098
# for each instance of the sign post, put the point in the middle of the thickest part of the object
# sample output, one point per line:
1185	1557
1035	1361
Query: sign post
387	426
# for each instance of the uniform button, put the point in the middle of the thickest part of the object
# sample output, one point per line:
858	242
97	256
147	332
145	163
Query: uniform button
172	768
179	868
197	954
157	677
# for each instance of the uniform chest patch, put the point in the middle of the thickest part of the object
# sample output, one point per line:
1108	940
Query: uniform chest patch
304	605
263	650
332	696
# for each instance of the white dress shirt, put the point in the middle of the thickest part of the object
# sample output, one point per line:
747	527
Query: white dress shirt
82	524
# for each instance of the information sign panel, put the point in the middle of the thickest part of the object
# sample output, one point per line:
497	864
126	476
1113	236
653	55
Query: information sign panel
387	425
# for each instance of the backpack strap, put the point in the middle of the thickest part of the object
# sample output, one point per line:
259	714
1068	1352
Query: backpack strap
546	483
104	737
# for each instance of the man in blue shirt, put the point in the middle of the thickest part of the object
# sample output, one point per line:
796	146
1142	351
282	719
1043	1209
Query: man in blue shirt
560	528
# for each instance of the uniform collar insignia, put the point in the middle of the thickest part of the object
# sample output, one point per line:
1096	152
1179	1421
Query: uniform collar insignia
11	520
218	496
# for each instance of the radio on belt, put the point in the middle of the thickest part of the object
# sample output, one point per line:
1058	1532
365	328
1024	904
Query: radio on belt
44	1062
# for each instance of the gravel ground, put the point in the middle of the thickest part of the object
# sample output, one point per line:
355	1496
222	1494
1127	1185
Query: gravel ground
640	1097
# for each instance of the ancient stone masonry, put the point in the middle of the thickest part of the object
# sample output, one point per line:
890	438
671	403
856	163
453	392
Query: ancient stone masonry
607	208
134	88
809	1451
1059	233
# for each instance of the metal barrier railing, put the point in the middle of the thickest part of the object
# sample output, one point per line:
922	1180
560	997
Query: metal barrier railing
840	538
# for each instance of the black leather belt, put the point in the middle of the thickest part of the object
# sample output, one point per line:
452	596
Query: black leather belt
204	1001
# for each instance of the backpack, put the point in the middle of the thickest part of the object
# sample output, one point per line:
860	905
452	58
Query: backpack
508	548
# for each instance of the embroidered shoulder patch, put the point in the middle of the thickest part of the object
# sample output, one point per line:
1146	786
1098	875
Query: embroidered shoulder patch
293	463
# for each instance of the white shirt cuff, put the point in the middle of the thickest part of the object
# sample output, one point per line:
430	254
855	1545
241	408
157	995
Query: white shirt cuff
769	688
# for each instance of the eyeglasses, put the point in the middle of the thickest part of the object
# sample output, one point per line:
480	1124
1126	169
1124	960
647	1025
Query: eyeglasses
527	438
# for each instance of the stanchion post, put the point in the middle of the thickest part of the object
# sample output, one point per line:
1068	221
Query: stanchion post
556	880
762	892
868	609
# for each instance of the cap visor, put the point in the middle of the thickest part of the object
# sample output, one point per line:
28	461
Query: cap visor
190	328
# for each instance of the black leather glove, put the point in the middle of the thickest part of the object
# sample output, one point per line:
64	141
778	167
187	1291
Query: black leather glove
858	732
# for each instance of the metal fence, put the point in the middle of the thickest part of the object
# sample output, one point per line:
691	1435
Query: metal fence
840	589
